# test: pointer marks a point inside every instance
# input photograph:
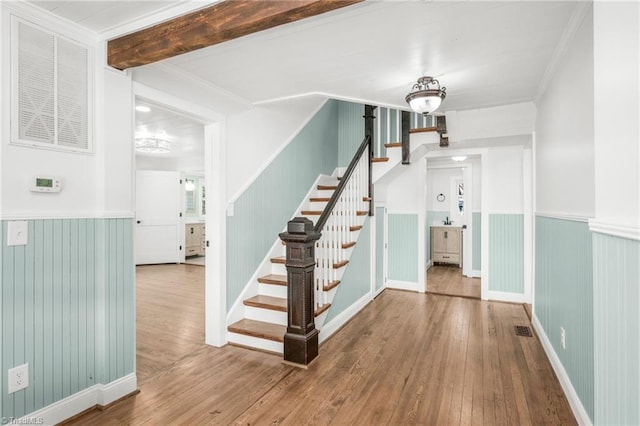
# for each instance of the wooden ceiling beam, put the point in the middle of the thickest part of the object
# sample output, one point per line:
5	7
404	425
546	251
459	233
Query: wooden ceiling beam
215	24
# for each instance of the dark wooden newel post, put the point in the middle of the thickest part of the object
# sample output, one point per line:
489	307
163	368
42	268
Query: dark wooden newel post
368	132
406	124
301	338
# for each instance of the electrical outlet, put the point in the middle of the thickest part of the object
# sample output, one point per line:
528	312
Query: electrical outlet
18	378
563	338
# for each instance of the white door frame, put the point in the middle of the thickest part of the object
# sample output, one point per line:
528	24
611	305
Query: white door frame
215	180
422	213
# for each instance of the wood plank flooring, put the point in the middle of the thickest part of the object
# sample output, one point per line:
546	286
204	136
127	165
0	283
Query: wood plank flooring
448	280
407	358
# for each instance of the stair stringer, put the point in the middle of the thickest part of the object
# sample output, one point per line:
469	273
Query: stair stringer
416	141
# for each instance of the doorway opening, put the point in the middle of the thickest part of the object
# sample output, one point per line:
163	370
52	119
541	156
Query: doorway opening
453	226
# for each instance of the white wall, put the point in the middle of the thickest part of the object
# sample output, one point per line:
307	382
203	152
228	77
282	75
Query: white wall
476	196
617	112
439	181
564	172
504	173
256	135
402	193
495	122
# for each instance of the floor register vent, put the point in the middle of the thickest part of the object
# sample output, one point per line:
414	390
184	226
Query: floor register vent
522	330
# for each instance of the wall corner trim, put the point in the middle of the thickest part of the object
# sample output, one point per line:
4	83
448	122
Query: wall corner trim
572	396
563	216
96	395
623	231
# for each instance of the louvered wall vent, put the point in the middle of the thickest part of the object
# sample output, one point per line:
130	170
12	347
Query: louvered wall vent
51	100
523	330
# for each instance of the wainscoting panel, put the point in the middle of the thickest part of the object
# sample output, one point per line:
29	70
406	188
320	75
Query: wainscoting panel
476	219
616	296
356	281
263	210
379	220
506	253
564	298
72	283
402	251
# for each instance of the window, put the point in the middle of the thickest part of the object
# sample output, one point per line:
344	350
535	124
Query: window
51	90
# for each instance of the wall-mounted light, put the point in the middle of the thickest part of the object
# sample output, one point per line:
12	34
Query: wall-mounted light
142	108
426	95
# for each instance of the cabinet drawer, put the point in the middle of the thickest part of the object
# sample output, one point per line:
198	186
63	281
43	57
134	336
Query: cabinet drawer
446	257
191	251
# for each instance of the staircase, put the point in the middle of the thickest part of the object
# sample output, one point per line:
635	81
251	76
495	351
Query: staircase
265	314
261	321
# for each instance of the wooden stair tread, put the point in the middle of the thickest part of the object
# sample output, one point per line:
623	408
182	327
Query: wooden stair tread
348	245
331	285
262	330
273	279
321	309
279	259
327	187
379	159
423	130
319	199
311	212
355	228
366	198
339	265
267	302
393	145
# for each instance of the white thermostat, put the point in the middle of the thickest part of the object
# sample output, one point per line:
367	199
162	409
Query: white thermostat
45	184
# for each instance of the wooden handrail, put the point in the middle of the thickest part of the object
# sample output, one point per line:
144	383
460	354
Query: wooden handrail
343	182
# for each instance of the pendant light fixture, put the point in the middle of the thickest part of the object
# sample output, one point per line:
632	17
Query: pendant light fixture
426	95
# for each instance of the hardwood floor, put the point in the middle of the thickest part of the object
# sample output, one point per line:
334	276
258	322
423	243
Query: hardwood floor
407	358
448	280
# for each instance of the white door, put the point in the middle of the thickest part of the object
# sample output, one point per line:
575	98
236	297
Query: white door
157	217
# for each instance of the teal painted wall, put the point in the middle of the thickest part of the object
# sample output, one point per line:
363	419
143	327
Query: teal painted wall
379	247
476	222
433	215
356	281
402	251
68	308
350	130
263	210
506	253
564	298
616	317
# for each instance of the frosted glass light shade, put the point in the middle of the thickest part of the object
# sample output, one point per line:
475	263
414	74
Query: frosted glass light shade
425	104
153	145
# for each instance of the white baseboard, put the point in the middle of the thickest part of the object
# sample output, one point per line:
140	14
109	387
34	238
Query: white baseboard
572	396
68	407
334	325
429	264
405	285
501	296
476	274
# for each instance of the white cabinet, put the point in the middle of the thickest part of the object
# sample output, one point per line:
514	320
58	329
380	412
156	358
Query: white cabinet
194	239
446	244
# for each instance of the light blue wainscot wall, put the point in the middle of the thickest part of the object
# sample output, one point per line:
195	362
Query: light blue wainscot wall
564	298
379	247
68	308
356	281
616	297
402	251
433	216
506	253
476	219
263	210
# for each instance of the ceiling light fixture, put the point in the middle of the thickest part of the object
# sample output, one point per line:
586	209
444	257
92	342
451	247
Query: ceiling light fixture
151	145
143	108
459	158
423	99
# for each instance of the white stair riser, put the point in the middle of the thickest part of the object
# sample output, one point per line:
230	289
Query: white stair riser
265	315
273	290
255	342
278	269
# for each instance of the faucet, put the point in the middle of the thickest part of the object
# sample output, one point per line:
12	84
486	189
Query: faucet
447	221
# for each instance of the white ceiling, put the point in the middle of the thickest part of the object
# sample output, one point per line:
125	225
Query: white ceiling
485	53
